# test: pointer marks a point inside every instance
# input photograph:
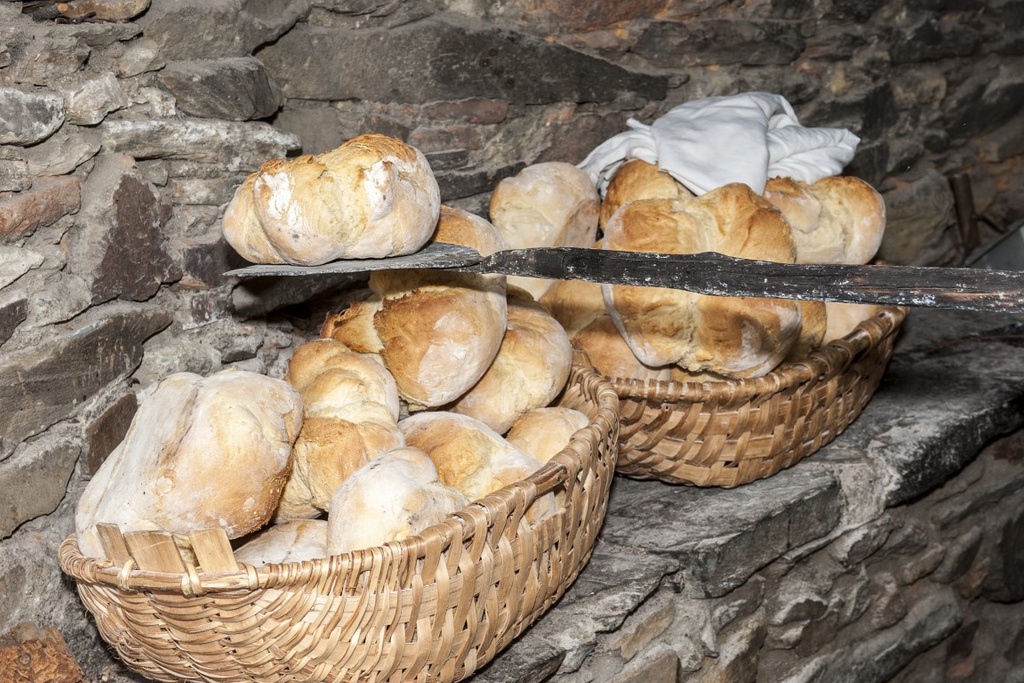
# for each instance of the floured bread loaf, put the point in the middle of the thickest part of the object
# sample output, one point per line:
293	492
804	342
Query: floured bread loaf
551	204
389	499
350	416
838	219
635	180
579	307
729	336
530	370
295	541
372	197
543	432
842	318
200	453
813	322
436	332
470	456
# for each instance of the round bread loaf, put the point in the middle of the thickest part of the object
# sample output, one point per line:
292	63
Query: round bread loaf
842	318
635	180
389	499
551	204
201	452
350	416
838	219
470	456
733	337
372	197
295	541
543	432
437	332
530	370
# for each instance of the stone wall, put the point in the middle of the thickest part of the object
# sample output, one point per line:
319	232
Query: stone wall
125	129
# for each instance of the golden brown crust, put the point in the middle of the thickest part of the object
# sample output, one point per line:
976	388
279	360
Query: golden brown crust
724	335
635	180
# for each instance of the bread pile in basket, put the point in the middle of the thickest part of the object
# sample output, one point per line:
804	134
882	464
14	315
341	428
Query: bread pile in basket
393	418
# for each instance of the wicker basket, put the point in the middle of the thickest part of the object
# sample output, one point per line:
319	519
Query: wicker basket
733	432
434	607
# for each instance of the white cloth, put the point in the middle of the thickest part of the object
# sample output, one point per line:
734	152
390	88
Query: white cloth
714	141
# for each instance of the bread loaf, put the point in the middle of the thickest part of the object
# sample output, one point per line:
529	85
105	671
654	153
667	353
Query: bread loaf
530	370
470	456
437	332
200	453
543	432
635	180
838	219
551	204
350	416
295	541
389	499
372	197
729	336
579	307
842	318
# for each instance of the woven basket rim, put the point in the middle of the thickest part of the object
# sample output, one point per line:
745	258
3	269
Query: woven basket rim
822	363
456	528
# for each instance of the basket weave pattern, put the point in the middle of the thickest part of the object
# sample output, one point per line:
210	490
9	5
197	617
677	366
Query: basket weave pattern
733	432
431	608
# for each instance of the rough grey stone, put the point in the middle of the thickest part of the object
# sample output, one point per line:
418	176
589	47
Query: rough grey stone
122	221
42	56
35	477
1006	581
177	355
49	200
13	312
14	175
877	658
721	537
100	34
960	554
919	209
932	39
62	153
719	41
207	191
856	545
444	57
211	29
28	117
236	89
89	100
318	128
41	385
106	423
139	57
15	262
461	184
236	146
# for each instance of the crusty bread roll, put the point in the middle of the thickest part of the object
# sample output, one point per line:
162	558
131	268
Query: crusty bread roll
842	318
734	337
530	370
350	416
437	332
579	307
295	541
200	453
635	180
543	432
470	456
550	204
372	197
838	219
389	499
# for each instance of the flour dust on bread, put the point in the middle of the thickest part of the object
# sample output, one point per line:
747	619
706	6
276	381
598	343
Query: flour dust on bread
200	453
549	204
390	498
728	336
838	219
530	370
293	541
437	332
471	457
372	197
350	416
543	432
